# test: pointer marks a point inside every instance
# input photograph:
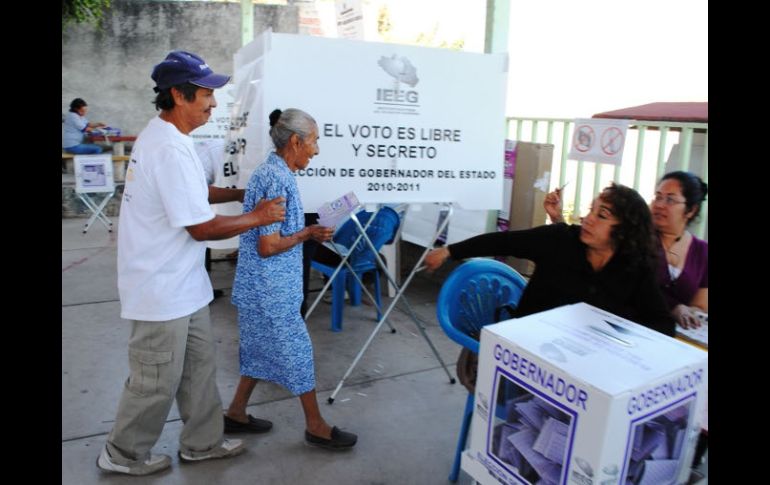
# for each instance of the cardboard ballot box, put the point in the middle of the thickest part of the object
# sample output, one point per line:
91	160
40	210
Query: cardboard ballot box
576	395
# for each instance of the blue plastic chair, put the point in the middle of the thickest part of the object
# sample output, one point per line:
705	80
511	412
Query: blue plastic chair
467	301
381	231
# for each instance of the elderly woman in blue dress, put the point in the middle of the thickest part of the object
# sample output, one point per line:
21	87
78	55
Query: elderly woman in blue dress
274	342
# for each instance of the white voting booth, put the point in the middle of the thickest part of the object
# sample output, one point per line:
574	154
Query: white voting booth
94	178
397	124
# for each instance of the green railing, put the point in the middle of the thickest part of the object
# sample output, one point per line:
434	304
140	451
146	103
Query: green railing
650	145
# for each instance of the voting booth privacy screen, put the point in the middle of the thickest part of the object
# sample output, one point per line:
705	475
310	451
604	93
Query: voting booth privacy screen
214	142
578	395
396	123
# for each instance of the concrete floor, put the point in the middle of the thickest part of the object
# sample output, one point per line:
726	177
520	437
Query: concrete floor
398	399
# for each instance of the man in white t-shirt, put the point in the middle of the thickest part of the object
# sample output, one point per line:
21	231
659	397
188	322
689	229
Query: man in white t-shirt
165	219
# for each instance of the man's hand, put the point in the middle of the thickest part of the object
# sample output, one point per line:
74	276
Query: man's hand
270	211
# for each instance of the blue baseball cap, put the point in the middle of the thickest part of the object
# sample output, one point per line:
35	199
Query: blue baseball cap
181	67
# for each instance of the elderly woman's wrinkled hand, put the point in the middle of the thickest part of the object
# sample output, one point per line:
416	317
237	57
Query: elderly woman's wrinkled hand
321	233
270	211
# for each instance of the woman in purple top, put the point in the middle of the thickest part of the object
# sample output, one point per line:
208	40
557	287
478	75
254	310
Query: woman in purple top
683	272
682	257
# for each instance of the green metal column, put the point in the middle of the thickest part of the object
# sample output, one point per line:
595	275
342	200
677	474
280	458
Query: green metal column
496	40
247	21
498	17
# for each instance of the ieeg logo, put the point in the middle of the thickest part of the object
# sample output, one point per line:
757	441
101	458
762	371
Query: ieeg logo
396	100
401	69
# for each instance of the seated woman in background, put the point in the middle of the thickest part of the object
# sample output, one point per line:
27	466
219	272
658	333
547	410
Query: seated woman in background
683	269
608	261
75	127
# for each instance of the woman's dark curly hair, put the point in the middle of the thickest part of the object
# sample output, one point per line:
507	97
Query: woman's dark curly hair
634	235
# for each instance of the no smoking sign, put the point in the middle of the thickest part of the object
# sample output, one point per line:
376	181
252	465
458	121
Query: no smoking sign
598	140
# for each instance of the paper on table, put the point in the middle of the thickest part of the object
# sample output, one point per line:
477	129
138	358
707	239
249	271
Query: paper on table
699	335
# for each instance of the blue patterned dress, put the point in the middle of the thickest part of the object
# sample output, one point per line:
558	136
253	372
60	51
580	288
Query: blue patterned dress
274	343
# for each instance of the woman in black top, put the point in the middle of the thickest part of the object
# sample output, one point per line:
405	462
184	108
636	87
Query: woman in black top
607	261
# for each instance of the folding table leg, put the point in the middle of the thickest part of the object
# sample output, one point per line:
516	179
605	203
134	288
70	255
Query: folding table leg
96	210
399	294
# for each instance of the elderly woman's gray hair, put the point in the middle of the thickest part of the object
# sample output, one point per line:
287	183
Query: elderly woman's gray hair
289	122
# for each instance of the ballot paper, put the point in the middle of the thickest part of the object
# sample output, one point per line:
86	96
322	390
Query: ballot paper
524	441
533	437
657	447
552	440
659	472
333	213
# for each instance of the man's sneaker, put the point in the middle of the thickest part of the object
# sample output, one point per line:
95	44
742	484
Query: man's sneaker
227	449
154	463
